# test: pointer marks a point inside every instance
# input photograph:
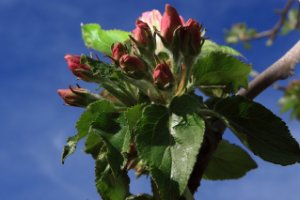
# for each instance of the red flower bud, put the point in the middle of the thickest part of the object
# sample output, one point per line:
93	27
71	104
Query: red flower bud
82	71
169	22
76	96
118	49
142	33
188	38
132	65
162	76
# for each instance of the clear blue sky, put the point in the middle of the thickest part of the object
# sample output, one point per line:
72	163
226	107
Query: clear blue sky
34	37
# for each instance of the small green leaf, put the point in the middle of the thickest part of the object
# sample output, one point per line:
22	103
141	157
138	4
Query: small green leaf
265	134
91	114
290	23
69	148
100	69
109	185
168	144
133	115
93	144
239	32
229	161
83	125
116	139
97	38
219	69
290	101
210	46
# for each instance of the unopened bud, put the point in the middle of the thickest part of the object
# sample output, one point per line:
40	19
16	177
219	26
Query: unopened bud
82	71
118	50
77	96
132	66
169	22
188	38
162	76
142	34
152	18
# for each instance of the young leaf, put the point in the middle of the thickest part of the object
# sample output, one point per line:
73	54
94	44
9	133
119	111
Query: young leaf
265	134
97	38
69	148
290	100
169	144
290	23
220	69
109	185
229	161
83	124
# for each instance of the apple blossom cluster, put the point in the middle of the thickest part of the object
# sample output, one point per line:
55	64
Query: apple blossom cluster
155	61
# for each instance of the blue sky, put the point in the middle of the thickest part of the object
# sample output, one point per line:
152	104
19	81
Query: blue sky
36	34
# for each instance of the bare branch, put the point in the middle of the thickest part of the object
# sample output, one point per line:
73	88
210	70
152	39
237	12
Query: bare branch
281	69
273	32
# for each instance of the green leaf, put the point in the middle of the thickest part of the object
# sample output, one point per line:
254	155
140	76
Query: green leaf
140	197
193	102
100	69
115	138
210	47
69	148
265	134
290	100
93	144
229	161
97	38
133	115
290	23
219	69
83	124
238	32
169	144
91	114
109	185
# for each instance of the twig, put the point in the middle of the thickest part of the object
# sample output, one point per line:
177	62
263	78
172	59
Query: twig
281	69
272	33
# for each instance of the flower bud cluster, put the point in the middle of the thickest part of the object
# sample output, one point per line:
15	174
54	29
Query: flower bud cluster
140	60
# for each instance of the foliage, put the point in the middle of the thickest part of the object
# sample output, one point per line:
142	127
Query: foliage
150	118
290	100
292	22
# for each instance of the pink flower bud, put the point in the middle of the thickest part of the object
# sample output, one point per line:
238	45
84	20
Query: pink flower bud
152	18
142	33
76	96
169	22
132	66
118	49
162	76
82	71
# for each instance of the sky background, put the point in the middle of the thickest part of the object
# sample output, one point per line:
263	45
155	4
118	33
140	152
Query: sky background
34	37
